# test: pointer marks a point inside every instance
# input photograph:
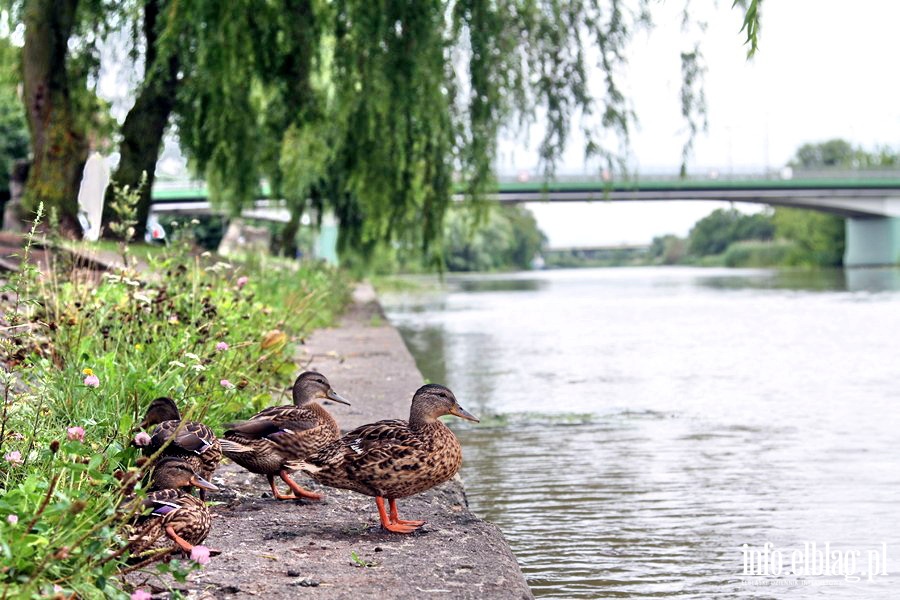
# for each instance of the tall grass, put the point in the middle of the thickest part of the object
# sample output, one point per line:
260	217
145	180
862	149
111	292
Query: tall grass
65	443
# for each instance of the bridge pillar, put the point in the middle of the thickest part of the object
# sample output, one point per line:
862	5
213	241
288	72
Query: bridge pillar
872	241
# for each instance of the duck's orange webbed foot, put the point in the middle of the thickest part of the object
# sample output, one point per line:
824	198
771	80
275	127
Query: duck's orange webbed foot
276	494
299	492
395	516
390	523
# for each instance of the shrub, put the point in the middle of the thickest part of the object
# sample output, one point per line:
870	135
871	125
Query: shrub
757	254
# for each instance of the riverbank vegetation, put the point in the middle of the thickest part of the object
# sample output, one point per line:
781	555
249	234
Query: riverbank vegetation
83	355
474	238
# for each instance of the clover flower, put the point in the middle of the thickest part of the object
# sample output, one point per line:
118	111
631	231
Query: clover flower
226	384
222	346
92	380
76	433
12	519
200	554
242	281
14	457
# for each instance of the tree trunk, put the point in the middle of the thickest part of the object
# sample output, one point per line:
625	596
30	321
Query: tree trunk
145	124
287	237
296	70
57	138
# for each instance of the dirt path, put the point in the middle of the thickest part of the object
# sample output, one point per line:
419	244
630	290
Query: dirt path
273	549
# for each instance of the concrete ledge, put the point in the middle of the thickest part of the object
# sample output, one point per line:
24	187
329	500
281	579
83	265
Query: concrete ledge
271	548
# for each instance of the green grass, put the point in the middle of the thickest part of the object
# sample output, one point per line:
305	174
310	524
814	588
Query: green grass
144	335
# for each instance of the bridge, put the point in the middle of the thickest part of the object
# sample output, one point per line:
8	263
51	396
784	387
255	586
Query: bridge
870	201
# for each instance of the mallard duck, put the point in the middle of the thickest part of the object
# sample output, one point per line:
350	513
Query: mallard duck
192	441
169	512
270	439
394	458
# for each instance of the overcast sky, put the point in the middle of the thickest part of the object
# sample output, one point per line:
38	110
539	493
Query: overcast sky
825	69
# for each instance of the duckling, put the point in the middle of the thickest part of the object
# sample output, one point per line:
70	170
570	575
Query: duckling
193	441
169	512
270	439
394	458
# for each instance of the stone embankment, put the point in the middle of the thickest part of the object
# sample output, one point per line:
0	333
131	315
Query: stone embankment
336	548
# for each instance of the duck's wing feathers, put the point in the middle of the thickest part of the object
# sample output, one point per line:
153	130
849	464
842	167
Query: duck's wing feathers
385	440
294	414
268	428
159	504
275	421
194	443
190	436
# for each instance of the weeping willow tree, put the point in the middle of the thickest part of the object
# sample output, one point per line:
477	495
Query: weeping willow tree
397	103
381	110
378	110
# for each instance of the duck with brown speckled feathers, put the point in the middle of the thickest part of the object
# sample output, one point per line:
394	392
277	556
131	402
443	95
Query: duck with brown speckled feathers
270	439
191	441
169	512
394	458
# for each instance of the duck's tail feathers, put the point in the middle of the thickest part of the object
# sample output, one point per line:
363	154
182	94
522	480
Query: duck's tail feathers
229	447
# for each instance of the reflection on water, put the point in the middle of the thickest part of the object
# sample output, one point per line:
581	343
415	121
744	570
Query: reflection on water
643	424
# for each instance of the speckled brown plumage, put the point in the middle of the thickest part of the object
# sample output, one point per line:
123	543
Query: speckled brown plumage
186	514
389	459
193	441
168	516
394	458
276	436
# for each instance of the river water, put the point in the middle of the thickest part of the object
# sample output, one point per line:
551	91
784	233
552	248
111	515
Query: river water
641	426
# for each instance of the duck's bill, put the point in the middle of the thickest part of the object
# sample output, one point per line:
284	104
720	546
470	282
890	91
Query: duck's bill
199	482
333	395
462	413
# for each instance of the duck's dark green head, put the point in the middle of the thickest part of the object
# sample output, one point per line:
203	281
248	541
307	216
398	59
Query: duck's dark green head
310	386
161	409
432	401
171	472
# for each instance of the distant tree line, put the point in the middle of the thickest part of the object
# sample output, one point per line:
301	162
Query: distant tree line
490	238
779	237
842	154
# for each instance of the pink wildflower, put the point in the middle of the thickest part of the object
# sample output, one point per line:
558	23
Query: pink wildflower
12	519
14	457
200	554
226	384
140	595
92	381
75	433
242	281
222	346
142	439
